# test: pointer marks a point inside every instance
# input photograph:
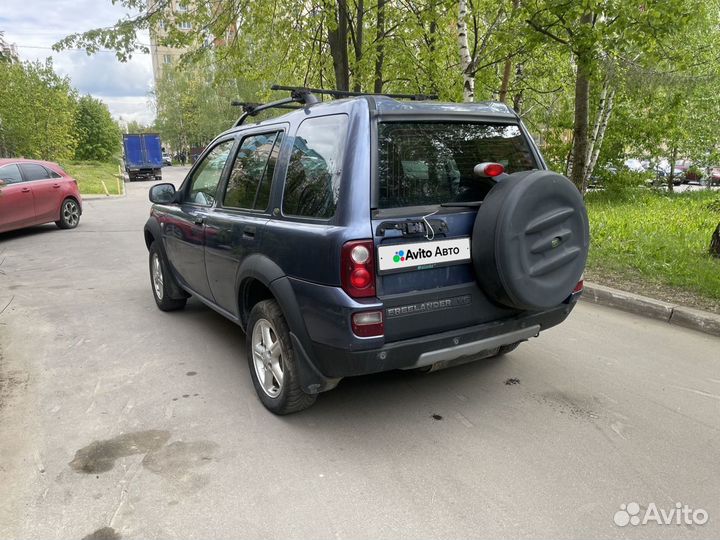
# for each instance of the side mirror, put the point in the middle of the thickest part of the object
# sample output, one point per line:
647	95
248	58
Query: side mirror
162	194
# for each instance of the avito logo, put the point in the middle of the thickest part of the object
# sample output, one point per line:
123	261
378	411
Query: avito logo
421	253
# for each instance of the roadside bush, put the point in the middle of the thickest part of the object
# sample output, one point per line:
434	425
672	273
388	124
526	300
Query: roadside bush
621	184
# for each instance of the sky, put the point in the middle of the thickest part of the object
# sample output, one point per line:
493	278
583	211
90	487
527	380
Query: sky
35	25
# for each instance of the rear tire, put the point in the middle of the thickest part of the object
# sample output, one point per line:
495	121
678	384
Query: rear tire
272	361
69	214
160	281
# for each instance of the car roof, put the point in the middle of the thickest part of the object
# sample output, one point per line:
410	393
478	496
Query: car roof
6	161
384	105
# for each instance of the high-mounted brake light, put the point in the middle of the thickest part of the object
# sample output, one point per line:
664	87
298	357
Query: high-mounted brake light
357	268
489	169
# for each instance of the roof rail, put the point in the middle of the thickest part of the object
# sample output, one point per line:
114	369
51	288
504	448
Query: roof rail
345	93
306	96
299	95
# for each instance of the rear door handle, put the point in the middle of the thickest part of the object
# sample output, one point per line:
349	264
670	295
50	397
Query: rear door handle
26	190
249	232
56	186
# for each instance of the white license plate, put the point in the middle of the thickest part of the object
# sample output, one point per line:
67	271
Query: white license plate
406	256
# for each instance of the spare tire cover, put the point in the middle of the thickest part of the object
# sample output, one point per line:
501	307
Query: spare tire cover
530	240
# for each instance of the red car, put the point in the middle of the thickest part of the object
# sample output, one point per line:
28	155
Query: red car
35	192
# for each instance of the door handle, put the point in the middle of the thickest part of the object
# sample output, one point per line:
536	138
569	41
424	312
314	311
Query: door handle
249	232
25	190
56	186
199	220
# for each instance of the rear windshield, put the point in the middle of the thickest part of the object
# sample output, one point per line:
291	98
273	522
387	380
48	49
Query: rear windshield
422	163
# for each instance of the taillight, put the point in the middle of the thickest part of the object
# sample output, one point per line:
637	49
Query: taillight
368	324
357	268
579	287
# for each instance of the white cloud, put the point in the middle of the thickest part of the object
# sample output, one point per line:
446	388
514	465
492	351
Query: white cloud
123	86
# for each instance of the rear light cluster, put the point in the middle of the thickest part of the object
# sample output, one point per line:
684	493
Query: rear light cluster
357	271
357	274
368	324
580	286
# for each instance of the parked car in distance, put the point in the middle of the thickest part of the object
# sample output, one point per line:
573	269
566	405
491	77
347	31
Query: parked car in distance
367	234
713	177
167	160
634	165
36	192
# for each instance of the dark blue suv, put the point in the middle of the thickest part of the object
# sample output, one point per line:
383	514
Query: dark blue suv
369	234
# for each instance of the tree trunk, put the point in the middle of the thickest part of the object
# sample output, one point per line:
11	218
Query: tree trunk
601	124
359	14
518	99
502	95
671	176
338	41
715	242
466	62
507	69
582	109
380	47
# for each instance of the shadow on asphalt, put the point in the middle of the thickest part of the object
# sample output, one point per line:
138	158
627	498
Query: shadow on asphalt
29	232
368	398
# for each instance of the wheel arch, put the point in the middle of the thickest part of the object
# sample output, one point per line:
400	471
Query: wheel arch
72	198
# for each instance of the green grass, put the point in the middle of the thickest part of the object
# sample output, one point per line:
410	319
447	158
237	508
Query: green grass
657	238
90	173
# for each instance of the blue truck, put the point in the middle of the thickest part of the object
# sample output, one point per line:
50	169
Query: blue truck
143	156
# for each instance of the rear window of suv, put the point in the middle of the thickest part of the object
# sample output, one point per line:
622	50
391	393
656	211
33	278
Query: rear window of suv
432	162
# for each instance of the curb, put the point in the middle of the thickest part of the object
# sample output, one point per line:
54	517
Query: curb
695	319
98	197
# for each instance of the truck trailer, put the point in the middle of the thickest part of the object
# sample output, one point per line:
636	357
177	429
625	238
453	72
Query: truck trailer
143	156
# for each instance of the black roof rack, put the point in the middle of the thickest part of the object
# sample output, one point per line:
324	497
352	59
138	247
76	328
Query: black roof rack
345	93
299	95
306	96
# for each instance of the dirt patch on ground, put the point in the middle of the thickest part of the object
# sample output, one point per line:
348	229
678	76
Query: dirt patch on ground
653	290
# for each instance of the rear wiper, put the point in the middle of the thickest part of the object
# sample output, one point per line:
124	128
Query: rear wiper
469	204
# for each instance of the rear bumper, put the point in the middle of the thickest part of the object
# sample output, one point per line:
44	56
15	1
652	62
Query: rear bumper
335	362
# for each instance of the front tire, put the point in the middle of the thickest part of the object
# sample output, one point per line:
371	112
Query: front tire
69	214
272	361
160	281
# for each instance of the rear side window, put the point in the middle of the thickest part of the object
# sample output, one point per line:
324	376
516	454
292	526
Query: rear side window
10	174
313	178
249	183
432	163
33	171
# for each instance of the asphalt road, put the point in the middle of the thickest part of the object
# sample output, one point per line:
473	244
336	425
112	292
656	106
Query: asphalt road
119	421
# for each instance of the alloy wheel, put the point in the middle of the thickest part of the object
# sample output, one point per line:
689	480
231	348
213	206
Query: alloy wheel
267	357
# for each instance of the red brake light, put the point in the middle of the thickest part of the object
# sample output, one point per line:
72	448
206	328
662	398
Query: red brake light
579	287
489	169
357	268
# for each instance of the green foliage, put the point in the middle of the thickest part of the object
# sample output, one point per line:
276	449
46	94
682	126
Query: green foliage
98	135
37	112
658	60
133	126
190	110
620	184
660	238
